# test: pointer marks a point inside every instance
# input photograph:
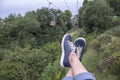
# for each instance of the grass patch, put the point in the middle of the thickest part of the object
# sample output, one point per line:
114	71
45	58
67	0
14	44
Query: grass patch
90	60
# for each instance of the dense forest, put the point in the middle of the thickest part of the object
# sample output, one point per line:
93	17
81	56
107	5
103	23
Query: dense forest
30	47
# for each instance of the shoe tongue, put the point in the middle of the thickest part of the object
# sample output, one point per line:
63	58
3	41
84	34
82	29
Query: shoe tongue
72	46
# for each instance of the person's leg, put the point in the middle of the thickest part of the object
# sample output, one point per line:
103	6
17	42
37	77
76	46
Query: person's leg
76	65
70	59
66	49
69	75
78	70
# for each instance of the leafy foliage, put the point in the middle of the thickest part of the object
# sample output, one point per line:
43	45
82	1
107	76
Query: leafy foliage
66	16
95	15
53	71
30	48
23	63
104	55
28	44
115	4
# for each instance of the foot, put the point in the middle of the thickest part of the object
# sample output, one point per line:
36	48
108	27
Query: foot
67	48
80	46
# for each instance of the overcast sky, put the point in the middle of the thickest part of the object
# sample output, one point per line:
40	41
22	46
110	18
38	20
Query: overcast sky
22	6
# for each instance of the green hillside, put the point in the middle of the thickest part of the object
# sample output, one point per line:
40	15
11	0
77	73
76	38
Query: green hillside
30	47
102	56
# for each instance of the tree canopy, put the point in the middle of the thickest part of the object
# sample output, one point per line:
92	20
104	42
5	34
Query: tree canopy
95	14
115	4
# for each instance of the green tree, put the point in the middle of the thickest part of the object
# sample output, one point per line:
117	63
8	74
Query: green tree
84	2
115	4
23	64
66	17
1	23
96	15
79	17
44	17
53	72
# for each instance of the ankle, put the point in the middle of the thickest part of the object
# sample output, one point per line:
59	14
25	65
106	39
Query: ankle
72	57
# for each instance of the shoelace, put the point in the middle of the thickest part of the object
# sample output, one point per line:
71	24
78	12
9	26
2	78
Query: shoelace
72	46
78	51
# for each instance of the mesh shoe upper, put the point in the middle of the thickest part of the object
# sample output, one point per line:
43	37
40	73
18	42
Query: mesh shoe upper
80	46
67	47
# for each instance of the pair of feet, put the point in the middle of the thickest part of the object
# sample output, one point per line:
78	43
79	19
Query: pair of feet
67	47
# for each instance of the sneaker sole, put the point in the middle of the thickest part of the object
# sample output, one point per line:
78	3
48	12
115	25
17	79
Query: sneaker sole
63	52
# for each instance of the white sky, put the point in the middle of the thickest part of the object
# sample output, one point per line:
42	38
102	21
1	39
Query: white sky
22	6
